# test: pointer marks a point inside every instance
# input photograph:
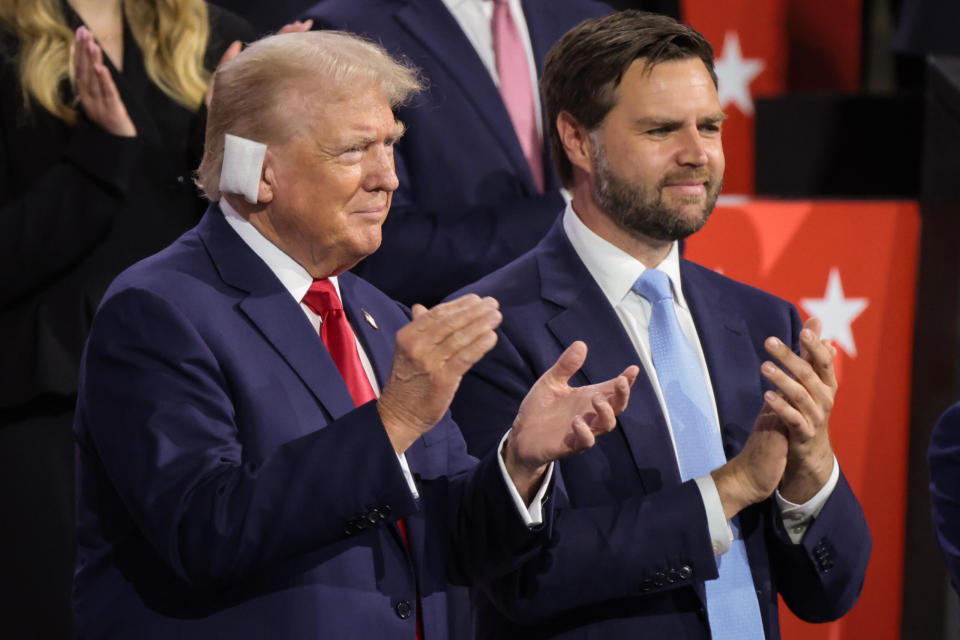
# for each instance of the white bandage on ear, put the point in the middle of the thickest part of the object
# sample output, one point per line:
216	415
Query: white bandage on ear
242	164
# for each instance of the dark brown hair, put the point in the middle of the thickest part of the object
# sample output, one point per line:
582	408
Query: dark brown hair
584	69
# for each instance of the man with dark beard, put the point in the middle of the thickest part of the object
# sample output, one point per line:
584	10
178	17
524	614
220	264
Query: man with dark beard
720	489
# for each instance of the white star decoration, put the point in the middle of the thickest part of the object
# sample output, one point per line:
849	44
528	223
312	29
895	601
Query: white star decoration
836	312
734	74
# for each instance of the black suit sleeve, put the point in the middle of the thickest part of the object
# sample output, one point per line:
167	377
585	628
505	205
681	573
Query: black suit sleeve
65	211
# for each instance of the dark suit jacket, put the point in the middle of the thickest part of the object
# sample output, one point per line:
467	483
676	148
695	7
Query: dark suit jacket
467	203
229	488
631	549
944	456
77	206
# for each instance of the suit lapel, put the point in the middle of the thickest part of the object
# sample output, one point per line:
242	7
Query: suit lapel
730	355
587	315
543	34
373	327
377	340
269	306
432	25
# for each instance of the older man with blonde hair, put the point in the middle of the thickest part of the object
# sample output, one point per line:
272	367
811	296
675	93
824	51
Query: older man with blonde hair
242	476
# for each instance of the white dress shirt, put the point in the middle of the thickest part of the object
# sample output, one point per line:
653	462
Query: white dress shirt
474	18
615	272
297	281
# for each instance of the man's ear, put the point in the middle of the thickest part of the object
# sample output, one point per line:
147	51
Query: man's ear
576	141
268	178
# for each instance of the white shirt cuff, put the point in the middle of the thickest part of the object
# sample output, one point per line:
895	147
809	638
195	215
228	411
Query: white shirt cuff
721	536
532	514
408	476
797	517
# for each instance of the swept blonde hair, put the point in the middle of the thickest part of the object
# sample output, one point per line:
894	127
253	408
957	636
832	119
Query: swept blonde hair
172	34
261	94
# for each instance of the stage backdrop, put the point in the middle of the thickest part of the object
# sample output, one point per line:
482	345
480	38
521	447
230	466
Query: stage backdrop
768	48
853	265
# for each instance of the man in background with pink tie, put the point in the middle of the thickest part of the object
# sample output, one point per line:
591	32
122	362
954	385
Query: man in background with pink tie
263	442
477	186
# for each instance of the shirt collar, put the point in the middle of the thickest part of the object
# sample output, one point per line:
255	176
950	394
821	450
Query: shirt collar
615	270
453	4
291	273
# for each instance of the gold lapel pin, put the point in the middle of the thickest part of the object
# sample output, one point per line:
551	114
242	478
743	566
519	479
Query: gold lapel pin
369	318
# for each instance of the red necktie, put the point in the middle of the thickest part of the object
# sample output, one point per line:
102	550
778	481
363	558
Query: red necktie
338	337
341	343
516	88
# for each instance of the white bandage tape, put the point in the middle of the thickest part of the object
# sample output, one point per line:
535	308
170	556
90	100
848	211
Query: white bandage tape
242	164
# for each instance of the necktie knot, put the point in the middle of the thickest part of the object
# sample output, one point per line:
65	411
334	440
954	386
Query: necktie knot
322	297
654	285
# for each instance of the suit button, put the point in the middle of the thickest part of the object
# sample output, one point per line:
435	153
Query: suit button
659	579
385	511
685	572
403	609
348	529
673	576
373	517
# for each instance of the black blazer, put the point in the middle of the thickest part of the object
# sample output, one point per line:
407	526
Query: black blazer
78	205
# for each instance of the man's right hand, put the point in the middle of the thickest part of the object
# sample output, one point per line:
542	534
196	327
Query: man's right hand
431	356
753	475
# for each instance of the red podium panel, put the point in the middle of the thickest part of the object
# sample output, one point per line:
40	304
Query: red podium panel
853	265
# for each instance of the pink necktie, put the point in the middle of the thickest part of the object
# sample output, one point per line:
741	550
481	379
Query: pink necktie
516	87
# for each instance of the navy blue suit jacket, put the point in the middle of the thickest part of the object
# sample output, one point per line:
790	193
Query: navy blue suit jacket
228	487
944	456
467	203
630	548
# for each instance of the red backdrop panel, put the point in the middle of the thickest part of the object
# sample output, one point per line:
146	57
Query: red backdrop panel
854	264
749	39
770	47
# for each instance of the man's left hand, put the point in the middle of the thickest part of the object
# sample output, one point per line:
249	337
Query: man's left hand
807	386
556	420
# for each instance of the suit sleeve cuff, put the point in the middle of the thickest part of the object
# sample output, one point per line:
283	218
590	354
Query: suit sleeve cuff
721	536
798	517
532	514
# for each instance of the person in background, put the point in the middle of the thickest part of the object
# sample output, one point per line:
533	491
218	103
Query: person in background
944	458
263	442
671	526
477	187
101	124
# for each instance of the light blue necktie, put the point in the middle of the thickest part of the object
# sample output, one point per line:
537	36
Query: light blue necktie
731	600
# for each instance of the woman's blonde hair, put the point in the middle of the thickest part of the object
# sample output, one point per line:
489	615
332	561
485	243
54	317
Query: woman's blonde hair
172	34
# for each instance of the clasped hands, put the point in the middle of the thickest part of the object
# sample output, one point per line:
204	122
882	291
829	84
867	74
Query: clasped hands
790	445
555	420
